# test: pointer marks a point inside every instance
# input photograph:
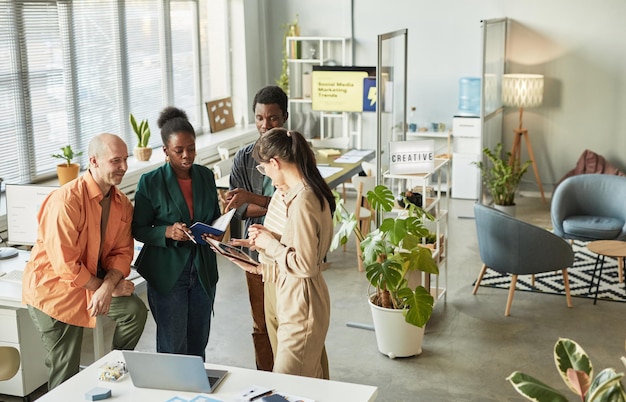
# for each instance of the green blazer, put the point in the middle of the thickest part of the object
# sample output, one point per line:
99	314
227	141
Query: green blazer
159	203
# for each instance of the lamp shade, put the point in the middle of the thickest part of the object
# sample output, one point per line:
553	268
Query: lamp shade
522	90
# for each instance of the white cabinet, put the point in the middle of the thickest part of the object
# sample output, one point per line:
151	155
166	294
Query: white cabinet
435	202
304	52
17	330
466	151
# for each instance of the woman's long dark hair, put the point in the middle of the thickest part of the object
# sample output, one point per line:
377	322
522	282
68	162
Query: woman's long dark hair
292	147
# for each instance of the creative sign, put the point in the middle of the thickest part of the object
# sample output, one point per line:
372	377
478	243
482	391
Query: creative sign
408	157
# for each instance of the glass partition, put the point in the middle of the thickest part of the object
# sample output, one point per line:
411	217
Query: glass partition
391	73
493	65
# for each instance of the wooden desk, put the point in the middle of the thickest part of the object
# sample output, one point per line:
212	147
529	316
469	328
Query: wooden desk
236	381
347	170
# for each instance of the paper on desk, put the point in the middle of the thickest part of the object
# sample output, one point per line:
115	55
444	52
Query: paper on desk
198	398
327	171
349	159
358	152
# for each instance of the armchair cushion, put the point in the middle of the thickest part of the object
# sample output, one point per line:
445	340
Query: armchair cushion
593	227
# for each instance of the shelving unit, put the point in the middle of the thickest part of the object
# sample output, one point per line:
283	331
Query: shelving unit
304	52
443	146
436	203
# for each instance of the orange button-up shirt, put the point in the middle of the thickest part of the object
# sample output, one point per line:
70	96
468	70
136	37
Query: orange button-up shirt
65	256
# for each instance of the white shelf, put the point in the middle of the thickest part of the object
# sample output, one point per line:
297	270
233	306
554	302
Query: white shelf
428	134
436	204
327	49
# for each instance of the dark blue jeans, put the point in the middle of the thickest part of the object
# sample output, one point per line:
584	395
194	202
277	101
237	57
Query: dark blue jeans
183	316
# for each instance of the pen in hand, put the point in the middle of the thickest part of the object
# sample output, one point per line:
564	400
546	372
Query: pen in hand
191	237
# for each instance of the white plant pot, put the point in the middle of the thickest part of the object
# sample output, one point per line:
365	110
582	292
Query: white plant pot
507	209
394	336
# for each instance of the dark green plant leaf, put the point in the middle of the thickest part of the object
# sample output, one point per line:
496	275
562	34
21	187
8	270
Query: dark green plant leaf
419	303
533	389
385	275
420	259
381	199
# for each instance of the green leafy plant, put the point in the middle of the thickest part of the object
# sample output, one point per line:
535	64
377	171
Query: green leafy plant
68	154
576	370
390	253
501	176
290	29
141	130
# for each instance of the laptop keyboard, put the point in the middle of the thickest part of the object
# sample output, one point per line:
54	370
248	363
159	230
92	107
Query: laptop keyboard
212	380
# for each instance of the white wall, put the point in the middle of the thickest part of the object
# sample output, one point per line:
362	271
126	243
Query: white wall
578	45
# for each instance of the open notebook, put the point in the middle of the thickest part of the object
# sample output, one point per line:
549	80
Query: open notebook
217	228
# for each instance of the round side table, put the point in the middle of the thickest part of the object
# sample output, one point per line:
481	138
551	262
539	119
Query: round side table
606	248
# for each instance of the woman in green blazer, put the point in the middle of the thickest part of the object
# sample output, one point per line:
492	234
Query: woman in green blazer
181	275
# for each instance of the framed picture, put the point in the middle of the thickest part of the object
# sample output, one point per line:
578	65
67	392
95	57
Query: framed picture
220	113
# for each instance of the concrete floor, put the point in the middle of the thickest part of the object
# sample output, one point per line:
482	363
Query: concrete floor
470	347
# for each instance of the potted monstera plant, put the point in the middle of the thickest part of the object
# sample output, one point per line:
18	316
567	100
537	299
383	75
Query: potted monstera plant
576	370
393	255
501	175
142	151
67	171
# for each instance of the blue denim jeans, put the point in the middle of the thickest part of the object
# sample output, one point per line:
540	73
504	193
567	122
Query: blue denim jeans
183	316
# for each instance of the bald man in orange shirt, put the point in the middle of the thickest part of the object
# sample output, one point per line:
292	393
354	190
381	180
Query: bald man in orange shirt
83	253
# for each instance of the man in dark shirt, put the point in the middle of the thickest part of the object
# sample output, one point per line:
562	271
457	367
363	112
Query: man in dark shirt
250	193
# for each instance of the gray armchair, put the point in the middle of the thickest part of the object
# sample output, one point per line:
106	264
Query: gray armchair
590	207
510	246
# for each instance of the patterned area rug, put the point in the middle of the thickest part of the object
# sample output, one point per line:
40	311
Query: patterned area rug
579	278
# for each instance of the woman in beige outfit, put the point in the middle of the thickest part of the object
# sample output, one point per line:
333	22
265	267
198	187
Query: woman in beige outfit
302	299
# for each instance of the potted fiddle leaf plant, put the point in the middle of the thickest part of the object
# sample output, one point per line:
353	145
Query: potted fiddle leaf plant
501	175
67	171
142	151
576	370
392	255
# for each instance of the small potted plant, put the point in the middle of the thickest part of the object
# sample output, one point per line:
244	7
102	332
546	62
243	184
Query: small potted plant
501	176
392	254
576	370
67	171
142	151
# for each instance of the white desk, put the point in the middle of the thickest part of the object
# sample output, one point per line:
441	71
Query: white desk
17	329
236	381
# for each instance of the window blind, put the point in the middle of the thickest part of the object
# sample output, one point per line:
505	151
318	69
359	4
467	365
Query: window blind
72	69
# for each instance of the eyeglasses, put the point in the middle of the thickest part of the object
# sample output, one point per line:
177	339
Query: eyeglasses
261	169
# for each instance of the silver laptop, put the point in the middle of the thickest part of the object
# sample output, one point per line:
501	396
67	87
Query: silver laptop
171	371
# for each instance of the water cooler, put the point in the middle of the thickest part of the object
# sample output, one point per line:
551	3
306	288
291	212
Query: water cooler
466	130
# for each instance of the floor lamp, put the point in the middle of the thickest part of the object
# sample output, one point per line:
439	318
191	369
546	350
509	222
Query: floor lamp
523	90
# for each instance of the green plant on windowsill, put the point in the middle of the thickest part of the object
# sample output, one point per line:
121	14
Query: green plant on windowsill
576	370
142	151
141	130
391	253
68	154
